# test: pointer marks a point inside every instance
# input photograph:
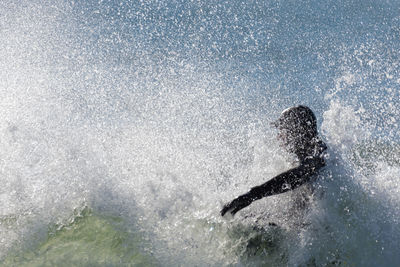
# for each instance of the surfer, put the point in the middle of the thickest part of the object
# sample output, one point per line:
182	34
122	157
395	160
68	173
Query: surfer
298	133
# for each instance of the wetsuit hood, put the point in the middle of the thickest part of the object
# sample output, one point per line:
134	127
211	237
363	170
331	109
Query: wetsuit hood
299	117
298	130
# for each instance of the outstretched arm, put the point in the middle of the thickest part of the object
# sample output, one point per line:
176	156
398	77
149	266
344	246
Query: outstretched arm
284	182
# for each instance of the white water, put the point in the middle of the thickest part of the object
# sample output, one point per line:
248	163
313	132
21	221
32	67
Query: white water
164	139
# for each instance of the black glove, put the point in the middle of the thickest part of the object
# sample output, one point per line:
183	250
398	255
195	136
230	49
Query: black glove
236	205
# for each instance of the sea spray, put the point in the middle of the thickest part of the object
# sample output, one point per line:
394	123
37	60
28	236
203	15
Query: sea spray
155	114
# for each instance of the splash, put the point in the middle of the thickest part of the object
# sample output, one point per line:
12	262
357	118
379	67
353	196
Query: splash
154	114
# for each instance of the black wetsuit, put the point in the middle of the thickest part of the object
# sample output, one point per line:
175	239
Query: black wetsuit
284	182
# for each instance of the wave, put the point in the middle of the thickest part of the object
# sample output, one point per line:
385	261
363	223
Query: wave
107	107
86	239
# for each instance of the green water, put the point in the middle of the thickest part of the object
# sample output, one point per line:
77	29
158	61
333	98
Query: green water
90	240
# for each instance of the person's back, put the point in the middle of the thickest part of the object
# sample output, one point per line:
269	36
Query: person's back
298	133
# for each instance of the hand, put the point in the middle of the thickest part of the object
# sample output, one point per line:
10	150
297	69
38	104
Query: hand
228	208
236	205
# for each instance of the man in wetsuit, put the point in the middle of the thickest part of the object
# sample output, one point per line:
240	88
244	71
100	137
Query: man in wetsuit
298	133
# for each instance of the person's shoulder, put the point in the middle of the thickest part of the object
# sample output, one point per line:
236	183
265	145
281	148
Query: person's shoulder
314	162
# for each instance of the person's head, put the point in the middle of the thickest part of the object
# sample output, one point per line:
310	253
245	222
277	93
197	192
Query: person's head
297	129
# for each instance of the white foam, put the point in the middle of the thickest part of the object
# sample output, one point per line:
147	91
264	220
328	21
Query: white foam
164	143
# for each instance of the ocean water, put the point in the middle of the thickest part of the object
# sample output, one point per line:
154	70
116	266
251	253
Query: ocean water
126	125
